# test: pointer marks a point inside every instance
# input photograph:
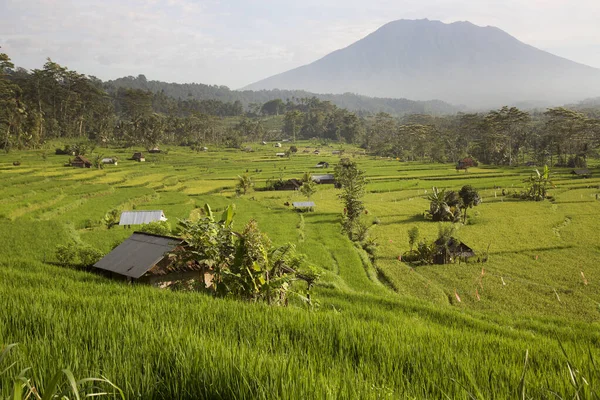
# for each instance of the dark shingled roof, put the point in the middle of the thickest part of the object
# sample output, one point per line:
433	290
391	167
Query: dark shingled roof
138	254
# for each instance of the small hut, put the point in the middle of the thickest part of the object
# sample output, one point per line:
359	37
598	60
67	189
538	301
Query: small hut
81	162
291	184
466	163
154	150
451	251
264	143
144	257
139	157
322	164
324	179
317	152
277	145
109	161
280	155
304	205
204	149
334	152
582	173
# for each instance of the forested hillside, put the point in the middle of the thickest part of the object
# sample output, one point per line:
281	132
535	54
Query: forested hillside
252	99
57	103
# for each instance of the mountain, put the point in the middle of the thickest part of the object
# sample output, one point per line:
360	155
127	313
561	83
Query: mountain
350	101
459	63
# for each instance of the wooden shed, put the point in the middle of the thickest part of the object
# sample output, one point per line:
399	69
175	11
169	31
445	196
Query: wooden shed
582	173
139	157
451	251
290	184
324	179
81	162
465	163
322	164
145	258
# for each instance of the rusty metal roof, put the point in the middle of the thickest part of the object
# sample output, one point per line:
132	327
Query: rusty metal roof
138	254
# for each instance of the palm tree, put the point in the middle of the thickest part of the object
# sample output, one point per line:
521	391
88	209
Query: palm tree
244	184
444	206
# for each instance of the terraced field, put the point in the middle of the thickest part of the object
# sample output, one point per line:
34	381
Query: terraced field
383	330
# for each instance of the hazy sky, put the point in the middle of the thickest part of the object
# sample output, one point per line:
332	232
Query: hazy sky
237	42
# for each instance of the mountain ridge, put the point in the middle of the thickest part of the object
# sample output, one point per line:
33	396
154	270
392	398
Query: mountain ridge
459	63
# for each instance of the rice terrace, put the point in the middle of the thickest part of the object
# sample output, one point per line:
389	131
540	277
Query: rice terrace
376	331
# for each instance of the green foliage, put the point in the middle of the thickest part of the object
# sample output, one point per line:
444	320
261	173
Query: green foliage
61	385
162	228
537	185
112	217
352	182
74	253
469	198
98	164
88	255
66	254
413	236
444	205
244	184
309	187
244	265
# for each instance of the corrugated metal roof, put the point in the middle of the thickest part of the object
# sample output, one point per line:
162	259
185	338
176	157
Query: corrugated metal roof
141	217
317	178
301	204
138	254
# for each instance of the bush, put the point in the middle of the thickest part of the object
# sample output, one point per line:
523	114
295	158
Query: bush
77	254
88	256
112	218
66	254
162	228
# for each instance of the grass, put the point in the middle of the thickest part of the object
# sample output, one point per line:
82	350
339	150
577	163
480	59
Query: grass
383	331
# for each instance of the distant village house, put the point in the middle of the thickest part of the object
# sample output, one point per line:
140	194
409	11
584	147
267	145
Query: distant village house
139	157
324	179
109	161
81	162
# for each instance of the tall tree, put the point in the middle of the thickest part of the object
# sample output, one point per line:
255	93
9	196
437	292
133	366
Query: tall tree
352	182
507	130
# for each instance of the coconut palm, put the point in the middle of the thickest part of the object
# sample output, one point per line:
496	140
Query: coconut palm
244	184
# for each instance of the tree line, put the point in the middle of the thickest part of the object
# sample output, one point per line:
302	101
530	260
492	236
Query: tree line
54	103
57	103
508	136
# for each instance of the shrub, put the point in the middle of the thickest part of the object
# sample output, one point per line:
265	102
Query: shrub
88	255
66	254
157	228
112	218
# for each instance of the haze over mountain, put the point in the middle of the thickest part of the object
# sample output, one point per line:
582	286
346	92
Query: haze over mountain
459	63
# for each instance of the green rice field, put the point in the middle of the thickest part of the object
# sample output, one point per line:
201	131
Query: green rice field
524	324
